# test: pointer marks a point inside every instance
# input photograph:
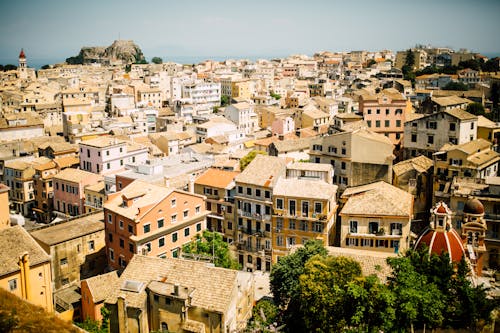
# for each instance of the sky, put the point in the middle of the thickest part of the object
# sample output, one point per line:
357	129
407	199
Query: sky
53	30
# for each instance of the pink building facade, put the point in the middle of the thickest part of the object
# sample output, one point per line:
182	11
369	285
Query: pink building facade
385	113
106	155
69	196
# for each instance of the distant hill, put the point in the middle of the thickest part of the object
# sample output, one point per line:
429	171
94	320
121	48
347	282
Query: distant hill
120	52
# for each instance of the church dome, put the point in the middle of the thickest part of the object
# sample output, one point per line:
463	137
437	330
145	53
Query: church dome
473	206
439	241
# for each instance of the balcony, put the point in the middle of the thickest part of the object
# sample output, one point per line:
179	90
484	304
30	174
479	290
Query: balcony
254	232
243	246
259	217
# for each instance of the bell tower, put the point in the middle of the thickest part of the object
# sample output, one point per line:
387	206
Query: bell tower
23	74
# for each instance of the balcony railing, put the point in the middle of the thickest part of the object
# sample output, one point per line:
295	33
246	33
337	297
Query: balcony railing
260	217
254	232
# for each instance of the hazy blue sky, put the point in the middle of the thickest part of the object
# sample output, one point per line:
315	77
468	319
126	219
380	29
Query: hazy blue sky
56	29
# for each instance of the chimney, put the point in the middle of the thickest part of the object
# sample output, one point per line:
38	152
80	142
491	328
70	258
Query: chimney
24	266
191	184
122	315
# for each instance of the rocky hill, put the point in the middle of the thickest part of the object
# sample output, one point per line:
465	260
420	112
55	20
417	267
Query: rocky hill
120	52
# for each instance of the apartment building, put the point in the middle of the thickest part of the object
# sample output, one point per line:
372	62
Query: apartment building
177	295
243	115
473	159
376	217
358	157
95	197
303	209
25	270
153	220
385	113
426	134
18	176
69	186
76	248
254	193
44	191
219	188
4	207
464	197
106	155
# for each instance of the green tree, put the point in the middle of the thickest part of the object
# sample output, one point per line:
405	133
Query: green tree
410	59
275	96
249	158
224	100
323	290
285	285
211	244
371	305
476	109
370	63
92	326
452	85
418	301
264	314
9	67
157	60
45	66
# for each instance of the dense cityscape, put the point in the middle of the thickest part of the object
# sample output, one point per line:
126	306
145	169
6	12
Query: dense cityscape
329	191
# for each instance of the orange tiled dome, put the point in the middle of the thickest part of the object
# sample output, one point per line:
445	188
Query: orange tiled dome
473	206
440	241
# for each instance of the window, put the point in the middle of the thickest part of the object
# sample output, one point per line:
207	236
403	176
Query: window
198	227
318	226
318	207
148	247
291	207
173	203
131	247
279	224
398	136
108	166
147	228
197	209
174	237
387	123
110	218
430	139
186	232
120	224
160	223
161	242
343	151
413	138
267	194
342	165
279	203
369	111
452	126
378	111
240	189
377	123
110	237
291	224
122	243
431	124
369	123
63	261
12	284
130	229
91	245
185	213
174	218
353	227
471	126
111	255
257	193
396	228
304	226
398	123
279	240
249	191
305	208
372	227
